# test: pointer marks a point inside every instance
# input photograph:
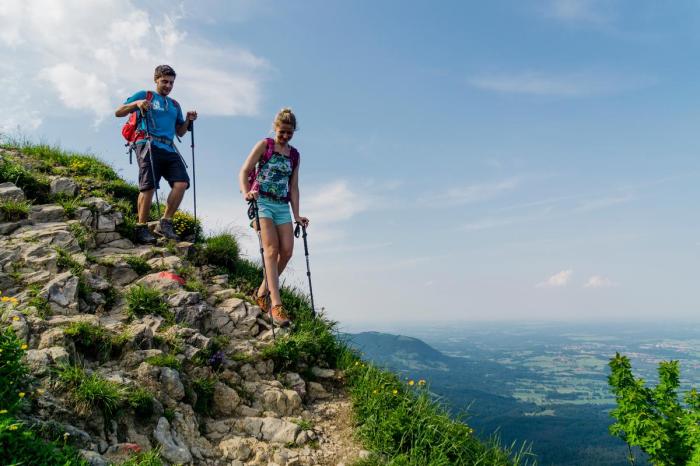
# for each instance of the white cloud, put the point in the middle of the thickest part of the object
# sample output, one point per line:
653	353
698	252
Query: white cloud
78	56
557	280
334	202
574	84
597	281
603	202
577	10
472	193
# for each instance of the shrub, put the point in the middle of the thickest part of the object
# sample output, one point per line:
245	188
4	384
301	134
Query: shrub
13	373
21	445
142	300
122	191
185	225
14	210
165	360
654	419
138	264
222	250
204	388
174	343
90	340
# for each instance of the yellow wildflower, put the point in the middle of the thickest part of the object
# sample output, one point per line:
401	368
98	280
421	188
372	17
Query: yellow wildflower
4	299
14	300
24	346
21	394
3	411
395	391
375	391
357	363
421	382
411	382
14	427
40	391
15	318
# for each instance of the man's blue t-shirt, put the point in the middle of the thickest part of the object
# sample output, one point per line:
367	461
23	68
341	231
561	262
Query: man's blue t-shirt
163	116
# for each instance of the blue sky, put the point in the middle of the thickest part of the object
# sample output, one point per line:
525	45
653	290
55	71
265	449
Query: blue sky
500	160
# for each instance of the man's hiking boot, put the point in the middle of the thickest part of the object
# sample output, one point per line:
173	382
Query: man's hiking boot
143	235
165	228
279	316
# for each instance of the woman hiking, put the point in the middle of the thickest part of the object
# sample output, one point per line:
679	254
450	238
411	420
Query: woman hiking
270	175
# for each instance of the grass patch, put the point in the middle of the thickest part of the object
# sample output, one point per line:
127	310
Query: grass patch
165	360
88	392
12	210
70	204
65	261
82	235
35	185
172	342
20	445
37	301
141	400
14	377
138	264
221	250
406	426
149	458
142	300
91	340
204	388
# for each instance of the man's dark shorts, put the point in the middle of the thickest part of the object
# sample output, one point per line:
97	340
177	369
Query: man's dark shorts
166	164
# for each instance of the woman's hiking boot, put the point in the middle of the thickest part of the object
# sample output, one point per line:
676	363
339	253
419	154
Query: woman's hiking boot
279	316
143	235
263	302
165	228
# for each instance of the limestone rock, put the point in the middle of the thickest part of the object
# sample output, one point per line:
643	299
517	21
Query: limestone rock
62	290
46	213
65	186
173	448
172	385
225	400
316	391
236	448
10	192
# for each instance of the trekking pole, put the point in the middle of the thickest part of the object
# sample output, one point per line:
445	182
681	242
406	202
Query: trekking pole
194	181
254	214
308	269
149	153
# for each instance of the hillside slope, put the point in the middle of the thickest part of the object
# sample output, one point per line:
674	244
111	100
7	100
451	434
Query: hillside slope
137	348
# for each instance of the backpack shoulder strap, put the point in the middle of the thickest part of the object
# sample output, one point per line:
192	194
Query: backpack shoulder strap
268	151
149	96
177	104
294	155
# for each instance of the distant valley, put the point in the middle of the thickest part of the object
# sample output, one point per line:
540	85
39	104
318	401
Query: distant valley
544	384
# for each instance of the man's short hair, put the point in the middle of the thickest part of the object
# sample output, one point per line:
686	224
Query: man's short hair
164	70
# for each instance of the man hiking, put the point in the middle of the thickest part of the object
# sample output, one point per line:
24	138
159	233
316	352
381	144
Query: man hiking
161	117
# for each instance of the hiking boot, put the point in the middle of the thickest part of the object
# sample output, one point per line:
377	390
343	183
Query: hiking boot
165	228
263	302
143	235
279	316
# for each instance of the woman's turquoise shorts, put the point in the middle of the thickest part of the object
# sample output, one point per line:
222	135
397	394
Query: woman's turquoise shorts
278	211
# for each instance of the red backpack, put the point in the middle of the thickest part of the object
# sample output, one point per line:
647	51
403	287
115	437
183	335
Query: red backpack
130	130
253	174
